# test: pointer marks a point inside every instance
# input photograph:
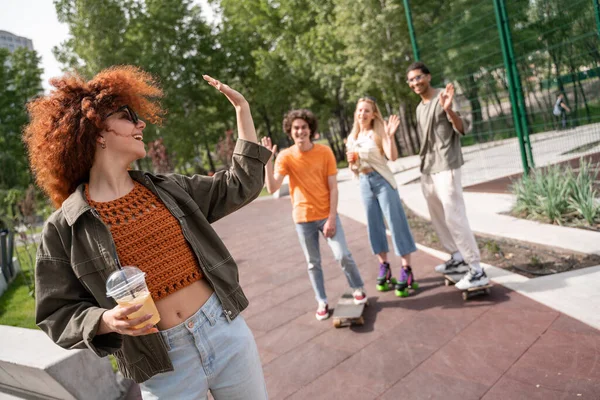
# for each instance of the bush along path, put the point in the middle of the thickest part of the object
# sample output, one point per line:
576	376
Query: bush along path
560	195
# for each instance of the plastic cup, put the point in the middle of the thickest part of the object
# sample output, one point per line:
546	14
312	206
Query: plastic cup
128	287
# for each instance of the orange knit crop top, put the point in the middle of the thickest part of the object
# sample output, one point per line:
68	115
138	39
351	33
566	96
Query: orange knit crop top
149	237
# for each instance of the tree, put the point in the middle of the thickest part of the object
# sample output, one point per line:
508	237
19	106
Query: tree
168	38
20	80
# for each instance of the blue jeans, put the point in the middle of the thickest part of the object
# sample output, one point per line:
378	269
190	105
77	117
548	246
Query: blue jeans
382	200
209	352
308	233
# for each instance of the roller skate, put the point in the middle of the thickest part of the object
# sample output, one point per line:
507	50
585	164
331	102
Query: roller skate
407	281
385	281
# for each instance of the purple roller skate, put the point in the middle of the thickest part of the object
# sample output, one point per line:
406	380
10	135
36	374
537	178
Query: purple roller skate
385	281
407	281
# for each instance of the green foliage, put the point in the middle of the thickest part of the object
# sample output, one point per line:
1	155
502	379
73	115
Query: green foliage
168	38
17	307
555	194
342	164
544	194
9	211
323	55
492	246
17	304
19	81
583	198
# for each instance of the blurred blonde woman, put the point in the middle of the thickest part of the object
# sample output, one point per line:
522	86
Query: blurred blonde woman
370	145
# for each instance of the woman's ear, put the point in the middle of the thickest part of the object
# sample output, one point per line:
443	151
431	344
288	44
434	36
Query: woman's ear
101	141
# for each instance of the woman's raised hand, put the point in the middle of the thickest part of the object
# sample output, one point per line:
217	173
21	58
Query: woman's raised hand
232	95
391	125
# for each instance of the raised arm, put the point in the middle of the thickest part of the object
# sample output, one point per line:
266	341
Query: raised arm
446	97
272	179
228	190
389	144
245	124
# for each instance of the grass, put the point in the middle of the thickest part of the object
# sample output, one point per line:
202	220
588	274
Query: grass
492	246
17	307
342	164
17	304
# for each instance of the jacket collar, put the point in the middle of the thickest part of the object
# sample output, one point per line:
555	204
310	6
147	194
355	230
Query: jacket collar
76	204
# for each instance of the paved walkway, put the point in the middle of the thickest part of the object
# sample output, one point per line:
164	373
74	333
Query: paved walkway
524	341
576	293
431	345
428	346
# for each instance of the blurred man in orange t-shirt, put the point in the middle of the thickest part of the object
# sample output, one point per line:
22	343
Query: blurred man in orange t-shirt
312	174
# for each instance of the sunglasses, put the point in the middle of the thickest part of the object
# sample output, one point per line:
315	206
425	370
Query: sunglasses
417	78
130	114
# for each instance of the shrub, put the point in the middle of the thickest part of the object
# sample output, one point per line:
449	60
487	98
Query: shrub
557	194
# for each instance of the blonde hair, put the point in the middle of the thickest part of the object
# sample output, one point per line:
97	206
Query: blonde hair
377	125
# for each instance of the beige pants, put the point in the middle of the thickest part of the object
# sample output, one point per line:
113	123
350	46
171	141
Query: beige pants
444	196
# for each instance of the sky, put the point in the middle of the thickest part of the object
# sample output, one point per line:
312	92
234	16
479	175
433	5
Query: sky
37	20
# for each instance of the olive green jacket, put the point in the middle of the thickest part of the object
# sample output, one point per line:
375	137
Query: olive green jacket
77	254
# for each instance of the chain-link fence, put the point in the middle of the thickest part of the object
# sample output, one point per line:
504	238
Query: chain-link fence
528	74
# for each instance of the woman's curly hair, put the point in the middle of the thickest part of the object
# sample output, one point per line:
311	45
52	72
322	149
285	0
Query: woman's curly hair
64	125
306	115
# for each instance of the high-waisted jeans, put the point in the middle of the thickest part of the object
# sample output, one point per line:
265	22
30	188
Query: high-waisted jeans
382	200
209	353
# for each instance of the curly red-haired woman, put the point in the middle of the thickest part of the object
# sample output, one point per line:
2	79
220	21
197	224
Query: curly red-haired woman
82	138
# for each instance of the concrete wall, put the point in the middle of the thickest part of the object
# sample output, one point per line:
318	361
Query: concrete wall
33	367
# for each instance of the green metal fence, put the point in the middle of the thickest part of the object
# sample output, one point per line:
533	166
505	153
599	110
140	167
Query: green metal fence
509	61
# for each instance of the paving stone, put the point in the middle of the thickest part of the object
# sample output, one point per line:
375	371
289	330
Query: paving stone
422	384
430	345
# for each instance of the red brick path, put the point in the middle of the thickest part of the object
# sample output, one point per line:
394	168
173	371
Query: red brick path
432	345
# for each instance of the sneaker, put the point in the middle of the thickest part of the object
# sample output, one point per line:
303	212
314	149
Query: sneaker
360	296
472	279
452	266
322	311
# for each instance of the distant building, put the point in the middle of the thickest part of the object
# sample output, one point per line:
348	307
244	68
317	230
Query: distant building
13	42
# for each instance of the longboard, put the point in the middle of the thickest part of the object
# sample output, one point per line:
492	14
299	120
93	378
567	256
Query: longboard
347	313
451	279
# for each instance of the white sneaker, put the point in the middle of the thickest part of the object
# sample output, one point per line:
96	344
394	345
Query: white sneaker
322	311
452	266
472	279
360	296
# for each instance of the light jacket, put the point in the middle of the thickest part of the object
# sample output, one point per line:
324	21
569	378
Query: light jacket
77	254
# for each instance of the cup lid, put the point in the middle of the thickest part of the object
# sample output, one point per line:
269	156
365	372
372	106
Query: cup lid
123	279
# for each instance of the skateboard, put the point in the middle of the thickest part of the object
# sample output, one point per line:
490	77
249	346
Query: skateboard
451	279
347	313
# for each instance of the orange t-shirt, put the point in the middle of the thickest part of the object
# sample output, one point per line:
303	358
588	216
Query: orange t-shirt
308	172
